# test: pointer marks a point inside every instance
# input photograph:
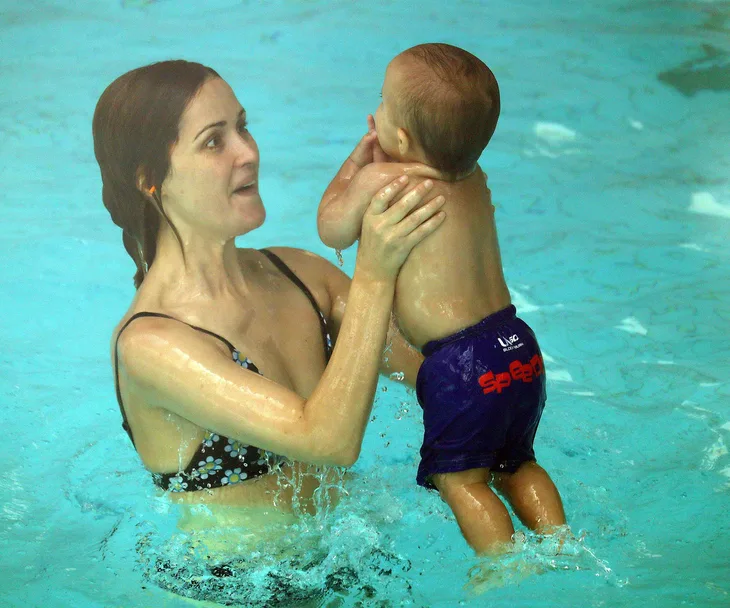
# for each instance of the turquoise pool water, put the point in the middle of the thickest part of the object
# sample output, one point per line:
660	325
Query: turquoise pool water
610	171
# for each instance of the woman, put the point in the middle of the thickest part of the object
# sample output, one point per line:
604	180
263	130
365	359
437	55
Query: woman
226	375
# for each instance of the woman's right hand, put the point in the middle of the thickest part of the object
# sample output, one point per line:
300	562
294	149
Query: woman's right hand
391	230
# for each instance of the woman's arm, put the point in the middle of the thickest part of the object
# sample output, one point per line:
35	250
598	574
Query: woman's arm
174	368
331	287
400	357
398	354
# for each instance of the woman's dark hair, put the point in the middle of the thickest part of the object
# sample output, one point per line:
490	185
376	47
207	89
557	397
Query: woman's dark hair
136	124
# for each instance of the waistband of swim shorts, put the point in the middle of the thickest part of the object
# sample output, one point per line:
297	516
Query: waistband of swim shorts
497	318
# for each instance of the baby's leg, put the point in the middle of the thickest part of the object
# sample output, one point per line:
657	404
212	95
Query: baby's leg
533	496
481	515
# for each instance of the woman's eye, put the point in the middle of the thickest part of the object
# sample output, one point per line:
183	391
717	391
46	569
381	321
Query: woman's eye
242	127
213	142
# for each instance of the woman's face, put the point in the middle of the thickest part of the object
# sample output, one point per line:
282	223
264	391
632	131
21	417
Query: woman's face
212	185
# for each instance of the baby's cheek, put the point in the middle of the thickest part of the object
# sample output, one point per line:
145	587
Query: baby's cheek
378	116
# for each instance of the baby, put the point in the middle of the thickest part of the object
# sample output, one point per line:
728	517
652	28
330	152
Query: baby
482	384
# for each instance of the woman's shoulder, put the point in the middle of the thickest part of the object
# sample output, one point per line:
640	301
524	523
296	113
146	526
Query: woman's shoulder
137	327
306	264
152	348
295	255
147	325
321	276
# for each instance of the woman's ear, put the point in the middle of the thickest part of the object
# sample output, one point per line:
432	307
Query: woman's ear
144	186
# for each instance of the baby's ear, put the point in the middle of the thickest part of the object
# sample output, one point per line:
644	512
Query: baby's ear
405	143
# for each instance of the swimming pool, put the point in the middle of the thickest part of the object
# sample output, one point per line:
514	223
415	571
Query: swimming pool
609	169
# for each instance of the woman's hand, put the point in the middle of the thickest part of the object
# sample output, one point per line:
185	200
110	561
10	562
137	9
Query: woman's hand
365	172
390	230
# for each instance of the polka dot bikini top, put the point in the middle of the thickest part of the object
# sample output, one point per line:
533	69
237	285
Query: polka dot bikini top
221	461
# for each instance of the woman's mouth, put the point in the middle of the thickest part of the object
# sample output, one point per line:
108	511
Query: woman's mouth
248	188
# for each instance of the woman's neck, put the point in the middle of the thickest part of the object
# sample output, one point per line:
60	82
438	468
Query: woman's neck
208	270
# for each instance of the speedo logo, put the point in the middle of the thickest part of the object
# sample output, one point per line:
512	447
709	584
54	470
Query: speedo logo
524	372
510	342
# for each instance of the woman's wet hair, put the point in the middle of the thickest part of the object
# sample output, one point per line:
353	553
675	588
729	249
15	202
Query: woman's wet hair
450	102
136	124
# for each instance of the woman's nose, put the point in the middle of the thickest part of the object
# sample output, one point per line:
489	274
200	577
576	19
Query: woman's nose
245	148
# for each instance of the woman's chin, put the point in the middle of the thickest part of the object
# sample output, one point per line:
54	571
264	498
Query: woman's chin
250	218
261	218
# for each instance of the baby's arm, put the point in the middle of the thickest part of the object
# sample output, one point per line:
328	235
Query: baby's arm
344	201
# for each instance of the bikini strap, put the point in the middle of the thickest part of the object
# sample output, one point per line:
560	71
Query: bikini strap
289	273
125	423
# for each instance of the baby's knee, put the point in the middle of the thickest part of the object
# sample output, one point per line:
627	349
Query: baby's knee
457	482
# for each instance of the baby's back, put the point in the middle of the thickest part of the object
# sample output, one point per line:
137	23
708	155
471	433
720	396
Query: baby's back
454	278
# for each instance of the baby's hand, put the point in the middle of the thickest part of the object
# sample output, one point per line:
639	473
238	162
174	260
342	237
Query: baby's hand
368	149
379	156
362	155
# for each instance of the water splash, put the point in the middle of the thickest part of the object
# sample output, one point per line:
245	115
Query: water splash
387	350
344	559
326	555
534	554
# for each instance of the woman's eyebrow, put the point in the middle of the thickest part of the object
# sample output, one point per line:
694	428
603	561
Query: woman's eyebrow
220	123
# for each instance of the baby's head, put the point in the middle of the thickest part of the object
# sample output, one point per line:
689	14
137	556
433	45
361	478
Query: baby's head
440	106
